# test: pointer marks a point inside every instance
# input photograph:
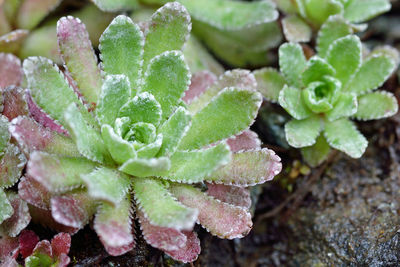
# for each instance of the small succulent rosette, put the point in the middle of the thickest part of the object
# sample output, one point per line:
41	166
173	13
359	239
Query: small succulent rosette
129	138
308	15
324	93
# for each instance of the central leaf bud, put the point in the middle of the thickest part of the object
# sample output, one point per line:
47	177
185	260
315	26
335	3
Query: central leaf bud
141	132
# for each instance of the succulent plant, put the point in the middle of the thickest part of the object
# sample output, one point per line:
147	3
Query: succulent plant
132	137
308	15
324	92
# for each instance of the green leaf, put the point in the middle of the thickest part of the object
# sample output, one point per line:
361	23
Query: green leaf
291	100
142	108
318	11
346	106
334	28
120	149
121	47
115	92
50	90
57	173
31	12
344	55
173	130
6	210
4	133
195	166
292	63
151	149
343	135
231	15
169	28
228	113
12	164
116	5
296	29
146	167
359	11
316	154
269	83
248	168
376	105
160	207
167	78
372	74
301	133
88	140
77	53
107	185
316	68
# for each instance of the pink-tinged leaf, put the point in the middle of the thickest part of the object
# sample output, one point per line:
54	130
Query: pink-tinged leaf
27	242
44	248
31	12
34	193
8	247
235	195
221	219
9	262
12	41
199	83
31	136
14	103
44	218
20	218
41	117
248	168
10	70
244	141
77	53
11	165
163	238
190	251
63	260
73	210
113	226
57	173
61	244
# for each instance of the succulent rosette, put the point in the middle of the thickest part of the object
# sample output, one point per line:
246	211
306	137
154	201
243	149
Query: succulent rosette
134	135
325	92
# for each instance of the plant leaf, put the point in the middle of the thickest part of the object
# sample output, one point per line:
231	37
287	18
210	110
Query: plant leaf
248	168
116	5
107	185
290	98
344	55
142	108
359	11
376	105
57	173
120	149
6	210
199	83
14	103
247	140
88	140
235	195
195	166
146	167
190	251
296	29
219	218
10	70
12	41
343	135
316	154
167	78
292	63
11	165
113	226
20	217
169	29
121	47
316	68
301	133
371	75
319	11
345	106
31	136
173	130
115	92
9	247
334	28
77	53
31	12
4	133
60	244
160	207
269	83
34	193
230	112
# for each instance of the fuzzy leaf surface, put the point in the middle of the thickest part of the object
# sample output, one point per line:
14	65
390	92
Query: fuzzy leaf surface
247	140
20	217
359	11
146	167
160	207
6	210
200	81
296	29
190	251
228	113
269	83
235	195
290	98
316	154
292	63
376	105
10	70
316	68
346	106
11	165
301	133
343	135
4	133
14	102
116	5
120	149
